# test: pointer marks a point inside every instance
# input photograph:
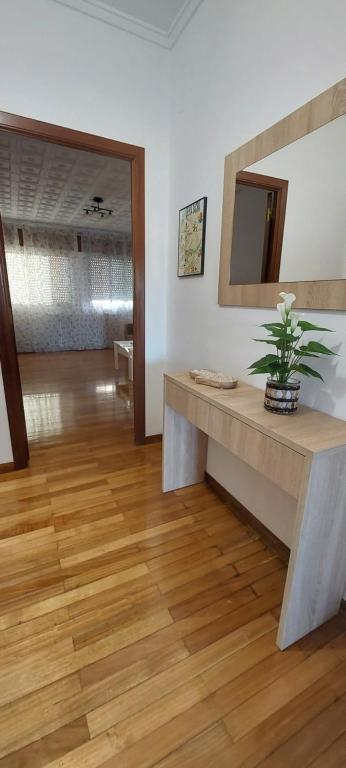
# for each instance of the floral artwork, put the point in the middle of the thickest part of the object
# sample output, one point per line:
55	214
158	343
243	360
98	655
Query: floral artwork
192	223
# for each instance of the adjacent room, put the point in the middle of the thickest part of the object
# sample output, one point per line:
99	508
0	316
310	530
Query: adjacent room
172	384
67	229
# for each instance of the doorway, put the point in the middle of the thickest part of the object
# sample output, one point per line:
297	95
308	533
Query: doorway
11	376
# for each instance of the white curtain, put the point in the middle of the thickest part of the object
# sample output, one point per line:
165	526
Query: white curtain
63	299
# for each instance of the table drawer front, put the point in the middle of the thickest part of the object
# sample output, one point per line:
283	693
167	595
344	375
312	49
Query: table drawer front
282	465
189	405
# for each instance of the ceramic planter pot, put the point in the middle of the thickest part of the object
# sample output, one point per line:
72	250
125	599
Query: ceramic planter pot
282	398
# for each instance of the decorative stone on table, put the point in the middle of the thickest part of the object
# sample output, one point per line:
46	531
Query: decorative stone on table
213	378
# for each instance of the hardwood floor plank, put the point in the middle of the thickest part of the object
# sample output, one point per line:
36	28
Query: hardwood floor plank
275	696
211	748
164	642
23	721
50	748
203	592
222	626
183	577
44	713
159	713
93	754
212	612
313	740
334	756
159	744
124	542
264	739
72	596
131	702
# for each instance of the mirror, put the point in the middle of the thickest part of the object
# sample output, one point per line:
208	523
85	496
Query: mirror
289	219
283	218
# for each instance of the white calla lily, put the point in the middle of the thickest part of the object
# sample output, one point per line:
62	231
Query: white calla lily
282	309
288	298
294	317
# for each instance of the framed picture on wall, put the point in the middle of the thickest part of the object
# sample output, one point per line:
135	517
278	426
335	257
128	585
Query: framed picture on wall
191	245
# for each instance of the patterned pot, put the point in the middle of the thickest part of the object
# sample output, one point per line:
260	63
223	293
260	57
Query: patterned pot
282	398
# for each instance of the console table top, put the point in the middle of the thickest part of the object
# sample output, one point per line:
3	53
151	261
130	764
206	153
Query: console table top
308	431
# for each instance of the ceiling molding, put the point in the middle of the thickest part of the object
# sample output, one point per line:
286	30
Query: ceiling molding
101	11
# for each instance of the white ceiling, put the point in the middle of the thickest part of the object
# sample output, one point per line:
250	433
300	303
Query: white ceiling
159	21
160	14
52	184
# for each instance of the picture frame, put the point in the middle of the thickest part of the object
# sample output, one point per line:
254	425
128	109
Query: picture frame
191	241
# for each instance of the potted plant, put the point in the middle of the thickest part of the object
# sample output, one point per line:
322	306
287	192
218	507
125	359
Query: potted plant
282	388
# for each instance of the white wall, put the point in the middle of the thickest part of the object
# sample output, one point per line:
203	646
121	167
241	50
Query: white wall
238	68
63	67
5	439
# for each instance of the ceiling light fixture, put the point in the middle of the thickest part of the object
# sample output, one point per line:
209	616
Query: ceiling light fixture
97	210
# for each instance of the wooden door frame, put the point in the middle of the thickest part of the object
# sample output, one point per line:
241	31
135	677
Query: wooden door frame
8	353
280	187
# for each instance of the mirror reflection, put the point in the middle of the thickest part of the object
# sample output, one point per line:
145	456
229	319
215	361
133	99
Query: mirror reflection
289	214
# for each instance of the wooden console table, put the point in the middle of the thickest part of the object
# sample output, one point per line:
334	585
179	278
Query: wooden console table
304	454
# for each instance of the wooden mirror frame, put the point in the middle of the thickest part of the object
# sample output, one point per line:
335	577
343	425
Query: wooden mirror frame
314	294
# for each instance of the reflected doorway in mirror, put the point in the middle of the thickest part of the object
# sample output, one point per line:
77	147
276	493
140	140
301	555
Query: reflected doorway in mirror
258	226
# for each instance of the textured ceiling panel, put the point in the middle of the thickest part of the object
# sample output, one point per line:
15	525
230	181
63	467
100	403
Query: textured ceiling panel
52	184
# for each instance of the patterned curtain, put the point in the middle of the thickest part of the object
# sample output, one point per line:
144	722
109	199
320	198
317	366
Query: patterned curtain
63	299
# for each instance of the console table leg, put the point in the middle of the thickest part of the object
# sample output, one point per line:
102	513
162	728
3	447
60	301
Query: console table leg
184	452
316	576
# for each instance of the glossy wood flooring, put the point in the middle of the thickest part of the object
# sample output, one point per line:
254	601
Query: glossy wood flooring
67	393
138	629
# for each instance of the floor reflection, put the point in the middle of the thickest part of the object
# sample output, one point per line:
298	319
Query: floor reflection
66	391
43	411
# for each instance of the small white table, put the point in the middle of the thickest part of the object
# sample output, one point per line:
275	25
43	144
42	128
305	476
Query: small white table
124	348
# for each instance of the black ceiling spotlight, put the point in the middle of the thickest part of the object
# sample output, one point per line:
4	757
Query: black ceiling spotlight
97	209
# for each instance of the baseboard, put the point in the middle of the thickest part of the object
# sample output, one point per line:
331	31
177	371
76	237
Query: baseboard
9	467
153	439
246	517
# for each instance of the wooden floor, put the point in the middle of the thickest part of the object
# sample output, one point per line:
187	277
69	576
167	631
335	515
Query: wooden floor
138	629
68	393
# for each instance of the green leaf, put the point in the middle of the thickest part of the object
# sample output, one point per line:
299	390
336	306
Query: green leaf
302	353
266	360
272	326
306	371
278	343
284	334
278	330
315	346
305	326
272	370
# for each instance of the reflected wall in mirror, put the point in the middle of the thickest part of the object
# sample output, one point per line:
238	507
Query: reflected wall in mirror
283	219
314	232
